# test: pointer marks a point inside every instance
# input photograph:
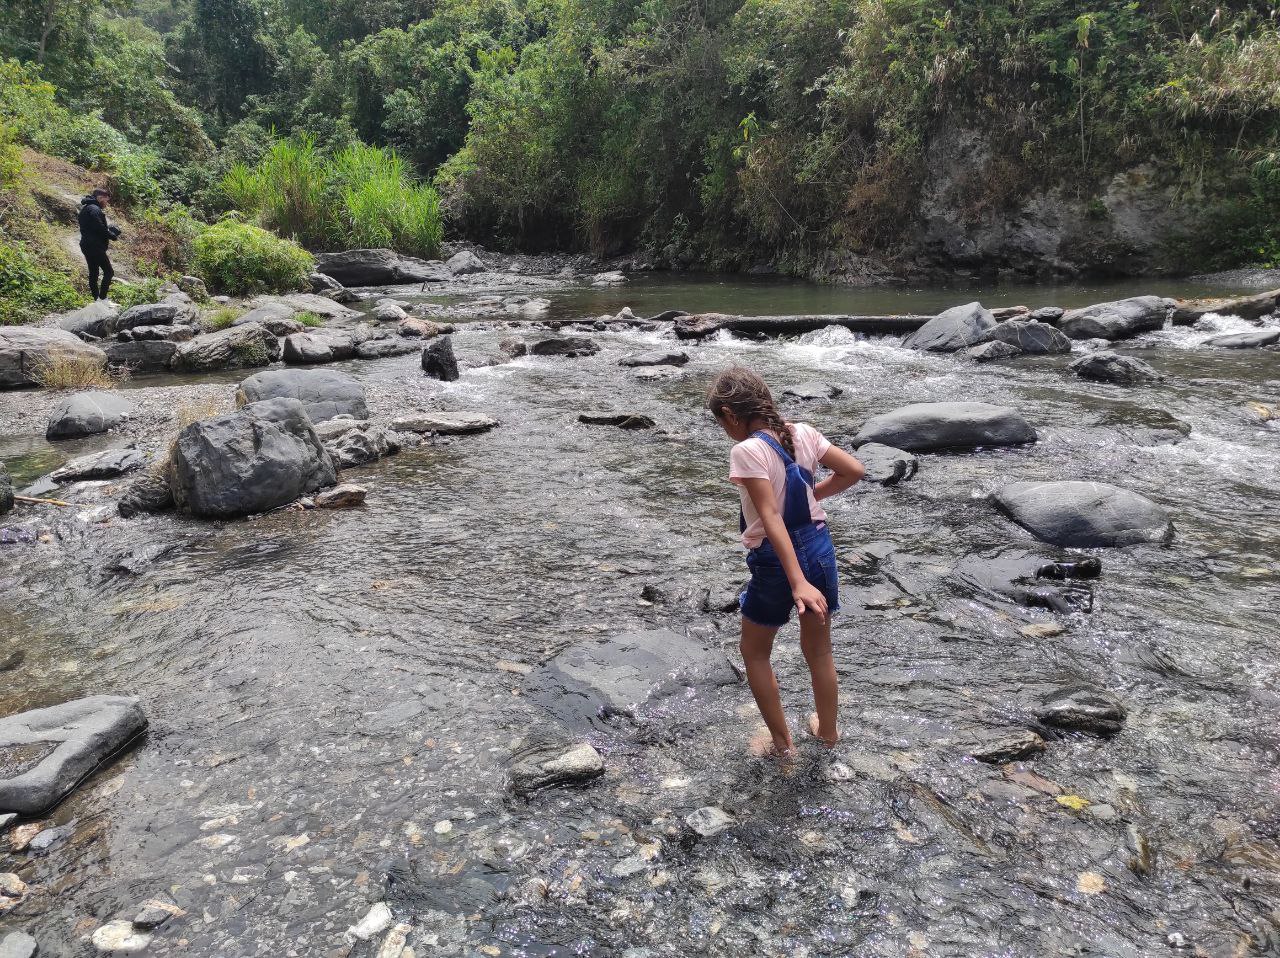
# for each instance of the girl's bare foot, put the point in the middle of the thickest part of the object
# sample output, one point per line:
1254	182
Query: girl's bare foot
813	730
764	745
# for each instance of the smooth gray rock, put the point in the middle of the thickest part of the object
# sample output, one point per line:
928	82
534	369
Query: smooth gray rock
312	349
952	329
174	334
1108	367
1252	339
100	465
886	465
47	752
18	944
96	320
149	492
237	347
380	267
147	356
988	352
173	309
1083	514
924	427
1047	314
540	762
997	746
389	311
571	346
87	413
657	357
444	423
438	360
382	348
812	391
323	285
602	677
270	311
261	456
1029	336
24	350
1116	320
361	446
345	495
464	262
1083	708
324	393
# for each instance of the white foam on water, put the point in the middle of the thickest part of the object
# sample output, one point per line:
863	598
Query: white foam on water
1208	326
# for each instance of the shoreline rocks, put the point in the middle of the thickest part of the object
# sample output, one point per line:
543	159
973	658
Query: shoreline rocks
379	267
24	350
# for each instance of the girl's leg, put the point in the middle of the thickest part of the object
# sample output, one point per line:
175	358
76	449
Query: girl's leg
756	646
815	643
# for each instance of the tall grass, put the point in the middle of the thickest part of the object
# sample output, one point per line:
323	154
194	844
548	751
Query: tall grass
75	372
361	196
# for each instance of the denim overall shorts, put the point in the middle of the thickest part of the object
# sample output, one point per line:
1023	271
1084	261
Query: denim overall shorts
767	598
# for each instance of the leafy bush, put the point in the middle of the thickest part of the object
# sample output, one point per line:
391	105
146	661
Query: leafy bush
310	320
240	259
221	318
140	293
29	290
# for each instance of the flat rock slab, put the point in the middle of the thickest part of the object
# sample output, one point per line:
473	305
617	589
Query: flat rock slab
1116	320
44	753
655	358
100	465
886	465
324	393
571	346
623	420
1083	708
444	423
1188	312
1253	339
1035	577
924	427
599	678
24	351
87	413
540	762
1082	514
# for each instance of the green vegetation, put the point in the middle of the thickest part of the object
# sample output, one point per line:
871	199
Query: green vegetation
29	290
221	318
75	372
239	259
310	320
137	294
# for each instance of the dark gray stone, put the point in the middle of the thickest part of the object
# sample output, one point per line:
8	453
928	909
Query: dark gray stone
1083	514
311	349
261	456
464	262
359	447
1029	336
54	748
1252	339
924	427
952	329
173	309
1116	320
1108	367
172	334
152	915
382	348
997	746
18	944
237	347
623	420
540	762
657	357
438	360
380	267
149	492
148	356
515	348
812	391
1035	578
324	393
1047	314
988	352
24	350
95	320
1083	708
886	465
100	465
571	346
330	287
87	413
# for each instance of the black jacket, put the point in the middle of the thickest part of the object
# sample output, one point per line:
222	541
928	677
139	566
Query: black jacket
94	229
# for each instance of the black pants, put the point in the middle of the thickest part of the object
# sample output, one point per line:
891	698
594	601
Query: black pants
96	256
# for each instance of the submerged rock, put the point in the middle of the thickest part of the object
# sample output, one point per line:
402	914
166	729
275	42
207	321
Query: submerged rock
150	492
1116	320
813	391
710	820
438	360
375	922
924	427
886	465
1108	367
1032	578
657	357
1253	339
542	762
46	752
1083	514
1029	336
261	456
324	393
622	420
237	347
952	329
366	444
346	495
571	346
87	413
997	746
24	351
991	351
100	465
444	423
1083	708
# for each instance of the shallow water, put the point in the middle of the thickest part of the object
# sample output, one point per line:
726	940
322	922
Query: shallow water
324	688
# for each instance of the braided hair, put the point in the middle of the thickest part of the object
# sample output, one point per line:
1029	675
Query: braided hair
743	393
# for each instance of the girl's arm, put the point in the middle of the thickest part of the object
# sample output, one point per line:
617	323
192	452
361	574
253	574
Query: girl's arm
807	597
845	472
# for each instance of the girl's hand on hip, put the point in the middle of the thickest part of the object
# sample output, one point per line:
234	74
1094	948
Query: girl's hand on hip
809	599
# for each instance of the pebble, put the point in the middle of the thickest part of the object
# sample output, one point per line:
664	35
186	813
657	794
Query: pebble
443	827
393	945
377	921
11	885
153	914
631	865
18	944
348	495
49	837
119	937
708	821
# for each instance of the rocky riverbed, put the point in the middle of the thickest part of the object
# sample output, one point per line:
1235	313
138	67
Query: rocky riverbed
494	710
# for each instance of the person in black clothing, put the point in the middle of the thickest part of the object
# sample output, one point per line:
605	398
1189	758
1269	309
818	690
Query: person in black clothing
95	236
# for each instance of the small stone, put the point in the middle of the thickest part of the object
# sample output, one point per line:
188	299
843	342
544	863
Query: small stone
393	946
1083	709
49	837
812	391
154	913
621	420
629	866
21	836
438	360
538	763
1043	630
119	937
11	885
1177	939
375	922
710	820
1090	883
443	827
1103	813
18	944
1004	745
347	495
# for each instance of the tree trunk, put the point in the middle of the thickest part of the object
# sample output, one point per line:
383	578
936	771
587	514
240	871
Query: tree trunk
50	8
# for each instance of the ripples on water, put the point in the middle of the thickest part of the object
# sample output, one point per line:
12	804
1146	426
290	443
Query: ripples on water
324	687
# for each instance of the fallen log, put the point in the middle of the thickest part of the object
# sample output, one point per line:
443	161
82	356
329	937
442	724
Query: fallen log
1189	311
704	324
33	500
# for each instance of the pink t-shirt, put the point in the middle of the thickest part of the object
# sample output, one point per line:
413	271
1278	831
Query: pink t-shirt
755	459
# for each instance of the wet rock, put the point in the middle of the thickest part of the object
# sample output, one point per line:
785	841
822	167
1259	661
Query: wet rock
49	837
374	923
1032	578
1083	514
924	427
100	465
325	307
393	946
1083	708
95	321
1030	336
167	334
6	490
611	278
389	311
996	746
444	423
813	391
119	938
515	348
313	349
621	420
54	748
465	262
1143	857
323	285
18	944
324	393
11	886
173	309
1108	367
438	360
147	356
359	447
419	328
149	492
1047	314
539	762
990	351
380	267
952	329
24	350
1189	312
708	821
602	677
571	346
87	413
155	913
656	373
1253	339
886	465
381	348
346	495
1116	320
261	456
657	357
237	347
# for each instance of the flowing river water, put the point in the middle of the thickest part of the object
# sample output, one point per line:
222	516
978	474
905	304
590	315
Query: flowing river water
333	695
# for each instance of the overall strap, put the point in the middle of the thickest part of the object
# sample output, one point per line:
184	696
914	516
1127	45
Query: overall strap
796	486
777	446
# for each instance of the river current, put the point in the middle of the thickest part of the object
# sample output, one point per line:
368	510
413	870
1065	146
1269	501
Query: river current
333	695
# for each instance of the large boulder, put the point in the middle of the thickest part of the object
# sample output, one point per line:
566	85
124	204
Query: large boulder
1031	337
87	413
146	356
1108	367
438	360
1252	339
236	347
173	309
927	426
261	456
95	320
952	329
1116	320
464	261
379	267
311	349
24	351
45	753
324	393
1081	514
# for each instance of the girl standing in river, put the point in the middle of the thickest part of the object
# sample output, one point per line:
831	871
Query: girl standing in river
790	554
